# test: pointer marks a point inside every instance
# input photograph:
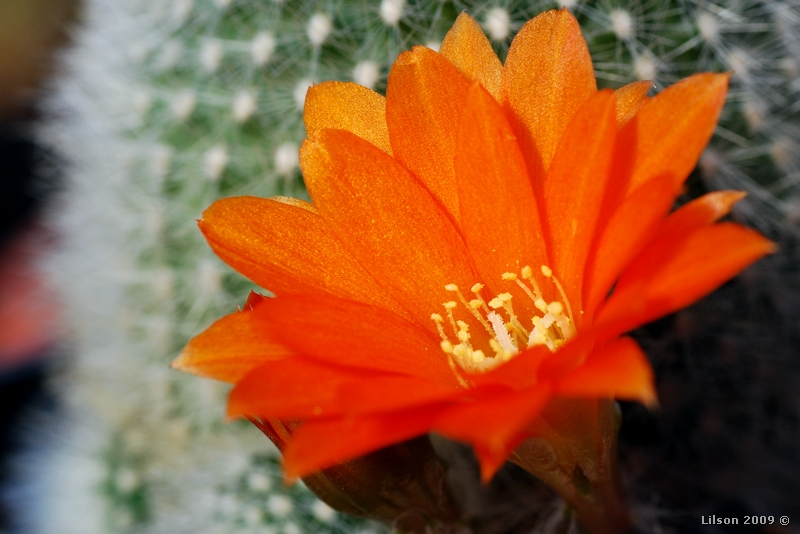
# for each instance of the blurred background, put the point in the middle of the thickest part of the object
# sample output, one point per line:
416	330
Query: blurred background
30	32
121	120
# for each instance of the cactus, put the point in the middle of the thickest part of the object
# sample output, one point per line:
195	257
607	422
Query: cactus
165	106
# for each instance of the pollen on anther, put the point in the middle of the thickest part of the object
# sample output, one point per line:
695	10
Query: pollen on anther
451	287
447	347
547	271
509	276
450	305
476	288
555	308
540	304
527	272
436	317
475	304
495	303
505	297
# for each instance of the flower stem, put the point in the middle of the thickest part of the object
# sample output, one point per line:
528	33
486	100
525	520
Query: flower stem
574	452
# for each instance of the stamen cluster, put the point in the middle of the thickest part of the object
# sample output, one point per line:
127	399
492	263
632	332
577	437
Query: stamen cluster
507	334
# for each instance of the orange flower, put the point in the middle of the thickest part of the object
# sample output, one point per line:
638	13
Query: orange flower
453	272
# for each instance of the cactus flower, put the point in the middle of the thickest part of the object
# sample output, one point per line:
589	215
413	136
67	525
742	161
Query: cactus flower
477	244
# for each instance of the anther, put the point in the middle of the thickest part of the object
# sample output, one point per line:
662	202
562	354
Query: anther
547	271
509	276
451	287
476	288
527	272
447	347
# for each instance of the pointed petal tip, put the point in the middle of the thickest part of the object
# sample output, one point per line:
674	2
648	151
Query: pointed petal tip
181	362
490	464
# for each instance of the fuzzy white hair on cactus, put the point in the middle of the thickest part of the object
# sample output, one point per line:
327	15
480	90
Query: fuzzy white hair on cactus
299	93
319	28
644	68
498	23
262	47
183	104
621	23
708	26
287	159
366	73
244	105
392	11
211	55
214	162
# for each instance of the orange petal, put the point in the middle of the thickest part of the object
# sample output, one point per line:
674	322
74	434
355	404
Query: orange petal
574	189
493	424
667	237
690	267
467	47
698	213
230	348
499	215
354	334
424	97
619	370
325	442
547	77
347	106
387	220
535	364
670	131
298	388
626	233
630	99
286	249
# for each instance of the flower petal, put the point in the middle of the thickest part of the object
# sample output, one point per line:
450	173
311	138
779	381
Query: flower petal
287	249
493	424
353	334
322	443
499	215
298	388
618	370
626	233
387	220
547	77
670	131
679	272
698	213
574	189
467	47
424	97
230	348
630	99
347	106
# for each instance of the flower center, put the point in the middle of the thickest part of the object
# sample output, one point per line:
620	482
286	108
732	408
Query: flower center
508	335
